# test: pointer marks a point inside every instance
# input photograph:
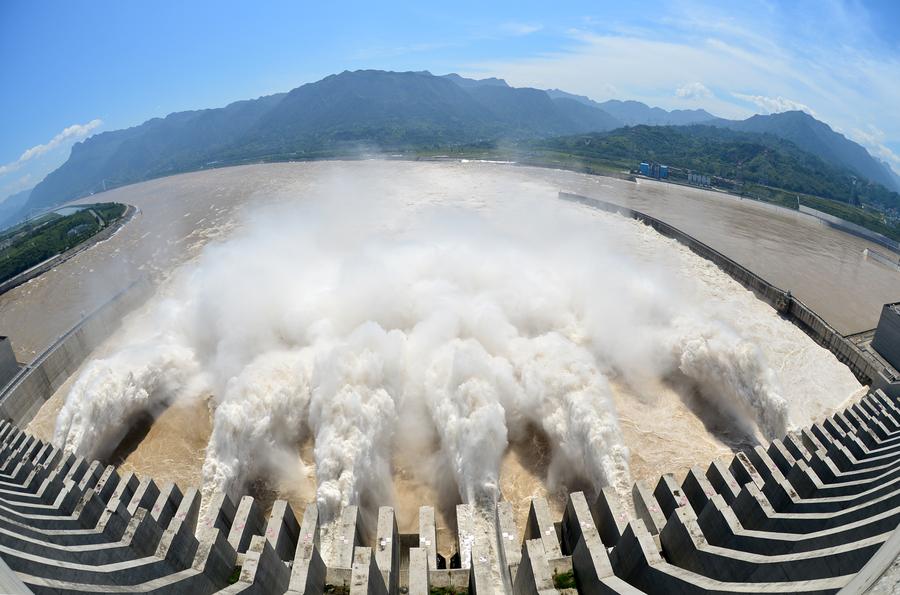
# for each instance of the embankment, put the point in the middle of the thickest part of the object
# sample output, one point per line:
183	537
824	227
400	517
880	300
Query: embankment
852	228
788	305
40	269
36	382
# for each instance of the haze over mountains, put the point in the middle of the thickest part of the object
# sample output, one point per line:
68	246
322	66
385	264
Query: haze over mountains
635	113
391	111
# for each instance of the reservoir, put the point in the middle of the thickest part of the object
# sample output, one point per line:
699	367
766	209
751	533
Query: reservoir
597	300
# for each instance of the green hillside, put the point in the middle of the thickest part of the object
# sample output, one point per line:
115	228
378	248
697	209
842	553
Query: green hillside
740	157
35	241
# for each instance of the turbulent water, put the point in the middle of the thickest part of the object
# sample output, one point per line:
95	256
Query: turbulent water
441	321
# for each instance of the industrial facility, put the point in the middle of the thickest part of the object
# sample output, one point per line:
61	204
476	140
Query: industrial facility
658	171
698	179
654	170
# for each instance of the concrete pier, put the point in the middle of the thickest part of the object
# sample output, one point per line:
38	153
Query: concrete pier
814	511
811	512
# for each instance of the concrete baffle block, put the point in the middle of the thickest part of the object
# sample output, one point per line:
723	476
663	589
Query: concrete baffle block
534	576
635	552
581	540
428	535
418	572
178	544
90	478
219	514
344	535
669	495
697	489
282	530
308	539
387	549
796	447
540	526
167	504
116	515
215	557
308	572
348	537
647	508
263	568
722	481
508	537
142	533
744	472
610	515
781	456
465	533
365	579
248	522
480	570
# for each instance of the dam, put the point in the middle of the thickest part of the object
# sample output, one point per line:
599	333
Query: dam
277	549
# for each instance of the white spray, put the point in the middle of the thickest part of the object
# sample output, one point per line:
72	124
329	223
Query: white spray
365	309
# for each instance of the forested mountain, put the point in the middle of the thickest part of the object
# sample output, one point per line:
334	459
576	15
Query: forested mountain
389	110
819	139
381	110
635	113
12	205
746	156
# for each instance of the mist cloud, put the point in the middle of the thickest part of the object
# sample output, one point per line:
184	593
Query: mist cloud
376	316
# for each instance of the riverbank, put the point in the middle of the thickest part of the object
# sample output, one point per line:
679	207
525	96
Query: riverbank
54	261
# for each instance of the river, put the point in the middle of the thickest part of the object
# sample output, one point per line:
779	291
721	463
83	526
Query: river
666	427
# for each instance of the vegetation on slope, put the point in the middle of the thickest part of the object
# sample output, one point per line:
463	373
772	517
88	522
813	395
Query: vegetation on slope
34	242
408	111
620	151
739	157
782	158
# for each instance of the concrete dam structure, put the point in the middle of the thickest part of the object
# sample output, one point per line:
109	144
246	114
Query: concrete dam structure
814	511
864	368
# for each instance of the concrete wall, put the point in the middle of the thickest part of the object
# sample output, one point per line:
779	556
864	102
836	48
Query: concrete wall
842	348
9	367
852	228
887	335
882	258
786	304
22	397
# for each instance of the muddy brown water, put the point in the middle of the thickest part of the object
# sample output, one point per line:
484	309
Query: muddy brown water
179	215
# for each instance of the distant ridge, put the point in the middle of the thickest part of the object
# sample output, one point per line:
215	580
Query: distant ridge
635	113
12	206
385	109
819	139
391	110
469	83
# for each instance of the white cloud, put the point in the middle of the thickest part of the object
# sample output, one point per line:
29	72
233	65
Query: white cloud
693	91
636	67
74	132
873	139
520	29
771	60
775	105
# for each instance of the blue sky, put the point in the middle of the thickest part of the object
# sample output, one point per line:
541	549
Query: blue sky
72	69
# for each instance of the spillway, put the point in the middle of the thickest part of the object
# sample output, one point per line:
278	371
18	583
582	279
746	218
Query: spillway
348	335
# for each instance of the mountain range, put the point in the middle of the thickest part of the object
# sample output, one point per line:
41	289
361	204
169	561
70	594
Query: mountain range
635	113
394	111
12	205
818	138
